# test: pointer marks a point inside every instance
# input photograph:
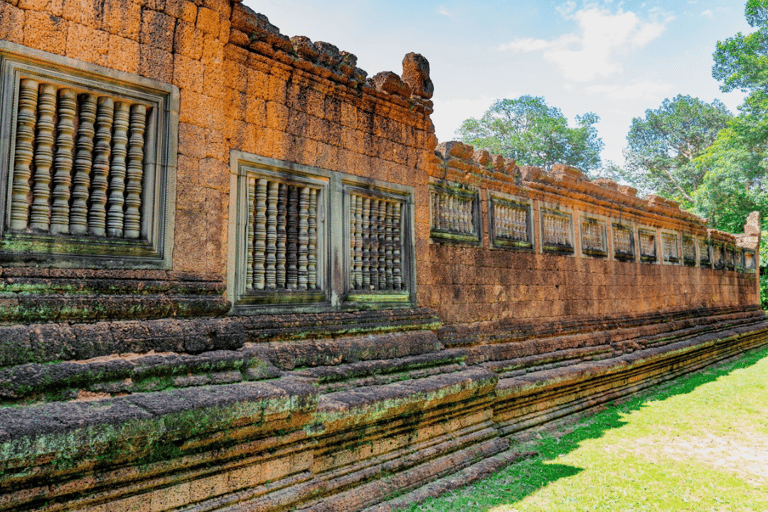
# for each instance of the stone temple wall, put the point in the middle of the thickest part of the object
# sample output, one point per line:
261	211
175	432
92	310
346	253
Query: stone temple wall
618	255
236	273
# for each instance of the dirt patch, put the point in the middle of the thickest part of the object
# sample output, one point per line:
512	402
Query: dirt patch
745	455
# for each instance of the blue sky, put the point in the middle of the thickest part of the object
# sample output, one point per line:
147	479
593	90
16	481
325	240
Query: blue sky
613	58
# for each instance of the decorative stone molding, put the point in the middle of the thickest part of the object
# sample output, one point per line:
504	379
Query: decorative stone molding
288	222
510	222
455	214
88	164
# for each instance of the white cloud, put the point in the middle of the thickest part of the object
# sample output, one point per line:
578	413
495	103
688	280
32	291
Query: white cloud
527	45
708	13
590	52
642	90
566	9
442	10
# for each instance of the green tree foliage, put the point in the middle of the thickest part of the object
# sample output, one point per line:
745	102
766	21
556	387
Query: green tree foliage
663	145
736	165
533	133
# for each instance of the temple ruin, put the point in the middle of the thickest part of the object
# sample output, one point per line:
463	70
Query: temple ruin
236	273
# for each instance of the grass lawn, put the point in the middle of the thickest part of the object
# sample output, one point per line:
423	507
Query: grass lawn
699	443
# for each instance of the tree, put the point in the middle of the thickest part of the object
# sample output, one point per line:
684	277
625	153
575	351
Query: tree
736	164
533	133
663	145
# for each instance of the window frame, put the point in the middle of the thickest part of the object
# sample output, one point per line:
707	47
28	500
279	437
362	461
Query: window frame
154	247
333	232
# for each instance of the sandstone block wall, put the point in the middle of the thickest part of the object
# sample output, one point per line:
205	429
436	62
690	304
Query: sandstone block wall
479	282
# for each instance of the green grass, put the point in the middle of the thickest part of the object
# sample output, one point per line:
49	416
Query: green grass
699	443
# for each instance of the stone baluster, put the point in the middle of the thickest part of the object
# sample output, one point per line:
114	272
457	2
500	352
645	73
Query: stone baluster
97	214
312	248
292	271
303	249
388	242
358	241
81	181
118	170
382	225
374	240
453	218
397	276
366	243
467	207
135	172
282	212
270	259
62	177
434	205
25	151
249	234
440	211
39	216
260	235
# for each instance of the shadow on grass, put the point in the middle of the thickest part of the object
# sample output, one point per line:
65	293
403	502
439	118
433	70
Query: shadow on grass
516	482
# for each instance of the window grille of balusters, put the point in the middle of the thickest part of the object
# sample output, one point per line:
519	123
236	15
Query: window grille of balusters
718	255
510	224
455	214
705	252
750	261
730	260
289	223
89	158
376	243
623	242
647	245
556	231
689	251
81	182
593	239
282	236
738	256
669	248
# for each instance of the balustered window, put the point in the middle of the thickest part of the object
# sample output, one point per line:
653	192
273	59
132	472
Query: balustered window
738	256
289	223
689	251
593	237
705	252
647	245
377	246
510	223
557	231
88	163
730	257
750	261
623	242
455	214
718	255
669	248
